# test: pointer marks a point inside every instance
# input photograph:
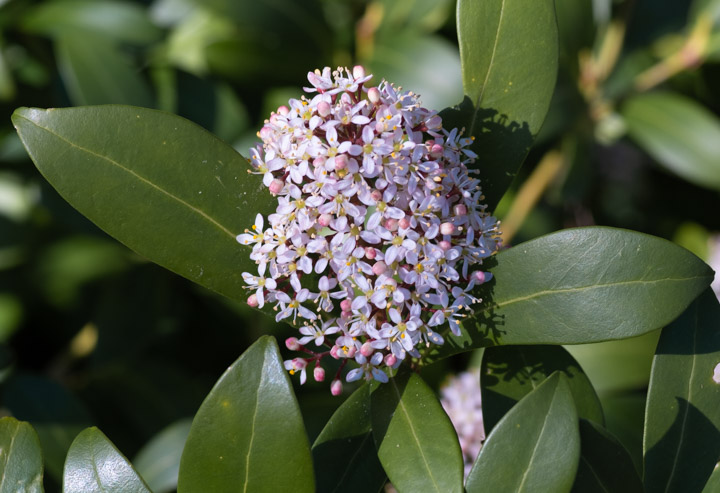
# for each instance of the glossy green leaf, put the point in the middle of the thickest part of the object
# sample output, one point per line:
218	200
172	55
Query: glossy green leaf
94	465
535	447
578	286
158	462
415	15
511	372
165	187
682	418
713	484
120	20
248	434
416	442
681	135
509	56
344	453
21	463
605	466
96	71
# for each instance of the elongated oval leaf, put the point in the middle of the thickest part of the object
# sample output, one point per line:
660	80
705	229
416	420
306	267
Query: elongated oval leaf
680	134
509	56
344	453
159	460
416	442
682	419
21	464
248	434
605	466
511	372
535	447
713	484
94	465
158	183
581	285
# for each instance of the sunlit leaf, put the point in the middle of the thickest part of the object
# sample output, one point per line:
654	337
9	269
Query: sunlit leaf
21	463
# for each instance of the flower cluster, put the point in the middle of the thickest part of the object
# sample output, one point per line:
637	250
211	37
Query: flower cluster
379	231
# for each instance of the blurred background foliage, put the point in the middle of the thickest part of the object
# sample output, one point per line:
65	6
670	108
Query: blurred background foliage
93	334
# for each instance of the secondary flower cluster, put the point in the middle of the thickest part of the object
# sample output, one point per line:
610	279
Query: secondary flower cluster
379	231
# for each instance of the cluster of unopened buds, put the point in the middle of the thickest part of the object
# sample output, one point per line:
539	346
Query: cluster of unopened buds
379	232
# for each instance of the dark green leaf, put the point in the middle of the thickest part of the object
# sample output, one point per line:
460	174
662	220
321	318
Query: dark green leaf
94	465
21	464
416	442
344	453
123	21
158	462
713	484
249	431
605	466
624	418
682	420
535	447
509	56
578	286
680	134
157	182
511	372
96	71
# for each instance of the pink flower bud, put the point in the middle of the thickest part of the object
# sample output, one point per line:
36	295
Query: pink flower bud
391	224
376	195
370	252
460	210
324	219
265	132
319	161
345	314
341	161
334	352
481	277
436	151
358	71
252	300
366	350
283	110
379	267
319	374
292	344
447	228
323	108
336	387
404	223
345	305
390	359
374	95
445	245
276	186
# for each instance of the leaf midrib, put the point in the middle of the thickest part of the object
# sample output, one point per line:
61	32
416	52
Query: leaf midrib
252	428
134	174
537	444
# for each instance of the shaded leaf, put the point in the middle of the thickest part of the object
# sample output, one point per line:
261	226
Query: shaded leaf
21	463
509	56
680	134
682	424
510	372
578	286
713	484
249	431
94	465
416	442
604	465
185	194
535	447
344	453
159	460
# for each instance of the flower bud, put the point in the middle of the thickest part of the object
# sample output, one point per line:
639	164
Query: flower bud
376	195
404	223
366	350
390	359
460	210
324	220
379	267
481	277
345	314
323	108
319	373
436	151
276	186
336	387
252	300
374	95
358	71
370	252
292	344
341	161
345	305
319	161
283	110
445	245
447	228
265	132
391	224
334	352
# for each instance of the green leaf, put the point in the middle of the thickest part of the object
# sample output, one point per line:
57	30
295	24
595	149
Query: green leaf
160	184
604	465
510	372
96	71
94	465
344	453
580	285
535	447
158	462
682	419
21	464
416	15
713	484
509	57
416	442
249	431
681	135
119	20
